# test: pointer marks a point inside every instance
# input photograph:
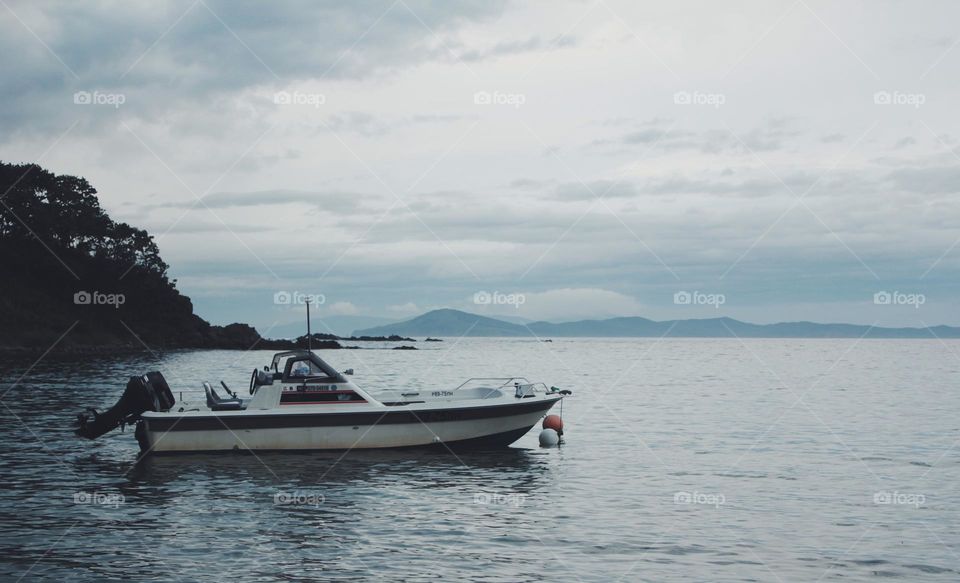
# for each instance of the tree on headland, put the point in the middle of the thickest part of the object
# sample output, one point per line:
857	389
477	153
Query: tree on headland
64	212
57	244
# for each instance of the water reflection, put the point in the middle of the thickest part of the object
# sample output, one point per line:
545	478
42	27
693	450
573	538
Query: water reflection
338	468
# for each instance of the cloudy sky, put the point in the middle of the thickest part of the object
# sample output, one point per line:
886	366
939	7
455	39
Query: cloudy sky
597	157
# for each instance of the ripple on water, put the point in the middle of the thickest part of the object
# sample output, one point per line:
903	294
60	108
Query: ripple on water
799	488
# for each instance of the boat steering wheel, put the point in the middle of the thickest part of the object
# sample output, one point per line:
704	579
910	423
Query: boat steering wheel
253	382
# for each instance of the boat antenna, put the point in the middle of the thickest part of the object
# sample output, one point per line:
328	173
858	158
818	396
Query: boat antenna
309	343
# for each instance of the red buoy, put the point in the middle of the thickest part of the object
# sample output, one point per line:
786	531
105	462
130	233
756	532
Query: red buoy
553	422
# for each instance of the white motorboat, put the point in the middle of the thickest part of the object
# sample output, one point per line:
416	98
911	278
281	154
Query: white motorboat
299	402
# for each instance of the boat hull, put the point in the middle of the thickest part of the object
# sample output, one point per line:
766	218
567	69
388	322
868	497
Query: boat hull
487	426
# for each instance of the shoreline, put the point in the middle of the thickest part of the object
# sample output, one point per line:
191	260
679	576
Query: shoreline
129	350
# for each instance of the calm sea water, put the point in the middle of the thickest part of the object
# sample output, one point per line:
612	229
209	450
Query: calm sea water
685	460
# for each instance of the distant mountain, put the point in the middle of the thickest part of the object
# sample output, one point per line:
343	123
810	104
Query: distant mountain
513	319
449	322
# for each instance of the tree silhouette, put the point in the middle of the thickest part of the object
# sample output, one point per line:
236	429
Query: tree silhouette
56	241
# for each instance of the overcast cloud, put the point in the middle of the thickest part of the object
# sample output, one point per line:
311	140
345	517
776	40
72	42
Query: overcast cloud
596	157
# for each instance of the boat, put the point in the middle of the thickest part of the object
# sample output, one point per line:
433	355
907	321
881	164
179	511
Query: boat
299	402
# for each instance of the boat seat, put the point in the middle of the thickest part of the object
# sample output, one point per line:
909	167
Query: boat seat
218	403
266	377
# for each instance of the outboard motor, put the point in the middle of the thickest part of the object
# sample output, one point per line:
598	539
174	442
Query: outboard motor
149	392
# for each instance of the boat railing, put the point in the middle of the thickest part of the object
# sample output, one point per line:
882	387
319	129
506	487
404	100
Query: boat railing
504	382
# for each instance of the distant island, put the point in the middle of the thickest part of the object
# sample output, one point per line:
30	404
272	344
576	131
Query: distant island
455	323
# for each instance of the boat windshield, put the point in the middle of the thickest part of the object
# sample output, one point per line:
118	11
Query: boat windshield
302	368
302	364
